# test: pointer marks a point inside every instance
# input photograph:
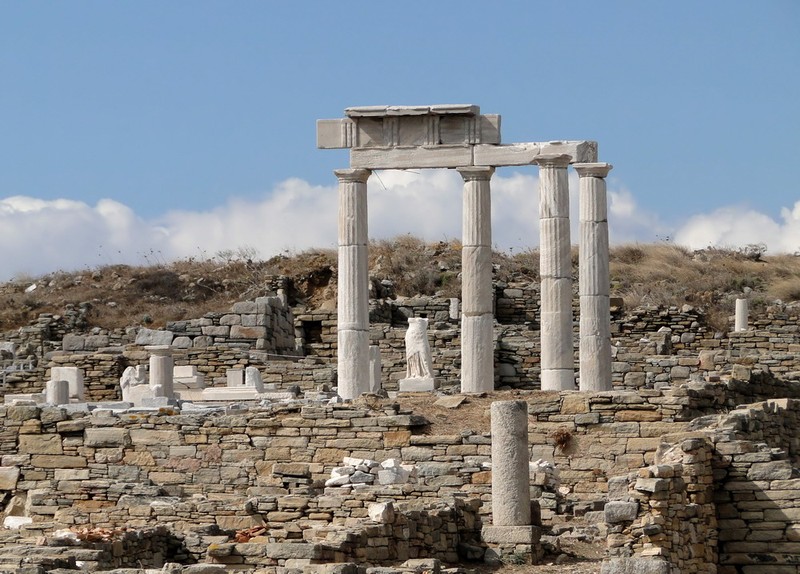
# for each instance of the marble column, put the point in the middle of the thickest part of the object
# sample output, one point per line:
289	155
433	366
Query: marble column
161	365
353	284
477	347
555	270
511	497
593	279
741	317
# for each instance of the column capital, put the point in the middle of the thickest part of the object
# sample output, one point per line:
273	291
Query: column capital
476	172
592	169
552	160
352	175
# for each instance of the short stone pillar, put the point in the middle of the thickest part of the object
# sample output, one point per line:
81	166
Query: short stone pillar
73	376
555	269
56	392
353	284
593	279
511	533
419	364
741	318
252	379
477	318
511	499
374	368
161	366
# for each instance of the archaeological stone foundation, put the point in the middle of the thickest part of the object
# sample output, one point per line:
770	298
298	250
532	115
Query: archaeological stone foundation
397	435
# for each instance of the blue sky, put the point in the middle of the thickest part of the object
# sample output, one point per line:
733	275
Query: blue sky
131	126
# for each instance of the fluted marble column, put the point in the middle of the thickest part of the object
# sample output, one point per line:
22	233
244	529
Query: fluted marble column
593	279
477	347
555	270
353	284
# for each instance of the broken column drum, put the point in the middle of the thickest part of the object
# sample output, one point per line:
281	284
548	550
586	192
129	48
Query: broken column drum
593	279
452	136
741	318
511	499
555	269
353	294
161	365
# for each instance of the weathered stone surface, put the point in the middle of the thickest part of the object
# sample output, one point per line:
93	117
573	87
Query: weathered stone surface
8	477
40	444
618	511
106	437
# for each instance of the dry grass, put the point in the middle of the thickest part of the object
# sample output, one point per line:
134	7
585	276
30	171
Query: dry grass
121	295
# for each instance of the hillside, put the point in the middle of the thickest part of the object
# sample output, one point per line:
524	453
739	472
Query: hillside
115	296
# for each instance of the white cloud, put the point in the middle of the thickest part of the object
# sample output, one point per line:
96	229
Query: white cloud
40	236
734	226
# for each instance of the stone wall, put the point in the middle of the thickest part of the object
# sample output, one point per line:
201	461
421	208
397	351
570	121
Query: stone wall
724	498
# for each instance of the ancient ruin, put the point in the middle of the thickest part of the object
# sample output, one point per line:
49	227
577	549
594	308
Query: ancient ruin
398	435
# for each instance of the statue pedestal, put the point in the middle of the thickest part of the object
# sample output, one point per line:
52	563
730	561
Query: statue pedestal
417	384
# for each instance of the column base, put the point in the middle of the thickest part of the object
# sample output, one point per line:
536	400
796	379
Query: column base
558	380
417	385
512	544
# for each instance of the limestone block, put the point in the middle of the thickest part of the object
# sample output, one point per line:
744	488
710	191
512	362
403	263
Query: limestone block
244	307
618	511
147	337
381	512
511	504
149	437
16	522
40	444
454	308
182	342
73	343
775	470
106	437
229	394
417	385
184	371
633	565
9	475
242	332
511	534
